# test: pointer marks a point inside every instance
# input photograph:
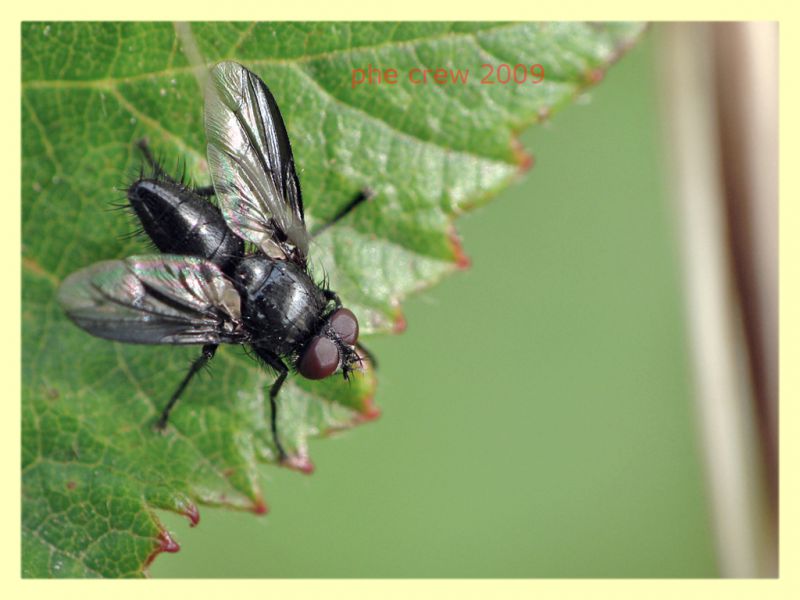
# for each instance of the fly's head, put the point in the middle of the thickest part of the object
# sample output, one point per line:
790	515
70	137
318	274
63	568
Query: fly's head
332	348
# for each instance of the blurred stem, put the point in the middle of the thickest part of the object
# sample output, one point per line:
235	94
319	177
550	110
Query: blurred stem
747	99
721	355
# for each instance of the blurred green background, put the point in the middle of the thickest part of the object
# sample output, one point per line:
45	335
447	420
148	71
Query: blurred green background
537	413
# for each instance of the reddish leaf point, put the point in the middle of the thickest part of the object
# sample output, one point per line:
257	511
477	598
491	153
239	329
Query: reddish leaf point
165	544
299	463
190	511
524	158
399	322
594	76
260	507
462	260
370	412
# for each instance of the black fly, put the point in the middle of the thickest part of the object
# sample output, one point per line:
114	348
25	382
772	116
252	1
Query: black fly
205	289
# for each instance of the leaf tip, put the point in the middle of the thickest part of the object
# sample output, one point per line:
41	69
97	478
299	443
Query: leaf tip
299	462
372	413
400	324
165	544
369	411
191	513
462	260
260	507
523	158
594	76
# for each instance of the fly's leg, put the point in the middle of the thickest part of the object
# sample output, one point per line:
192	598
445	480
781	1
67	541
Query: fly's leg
360	198
332	296
205	191
276	363
273	406
199	363
148	156
362	349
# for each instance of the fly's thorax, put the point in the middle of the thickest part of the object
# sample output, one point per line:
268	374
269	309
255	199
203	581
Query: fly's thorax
282	307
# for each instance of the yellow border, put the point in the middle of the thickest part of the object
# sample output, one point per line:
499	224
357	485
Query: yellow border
409	9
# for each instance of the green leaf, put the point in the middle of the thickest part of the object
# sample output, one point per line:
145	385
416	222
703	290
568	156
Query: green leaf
94	470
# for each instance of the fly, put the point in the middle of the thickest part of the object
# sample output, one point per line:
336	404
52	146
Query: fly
206	288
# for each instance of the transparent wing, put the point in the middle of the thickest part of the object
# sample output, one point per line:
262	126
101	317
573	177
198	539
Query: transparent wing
154	300
251	163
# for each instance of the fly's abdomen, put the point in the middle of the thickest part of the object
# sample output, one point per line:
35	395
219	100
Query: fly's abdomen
182	222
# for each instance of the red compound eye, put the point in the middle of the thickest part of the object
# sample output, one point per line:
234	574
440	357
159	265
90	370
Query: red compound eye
320	359
345	324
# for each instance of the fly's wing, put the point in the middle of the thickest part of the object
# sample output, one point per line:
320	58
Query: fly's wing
154	300
251	163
